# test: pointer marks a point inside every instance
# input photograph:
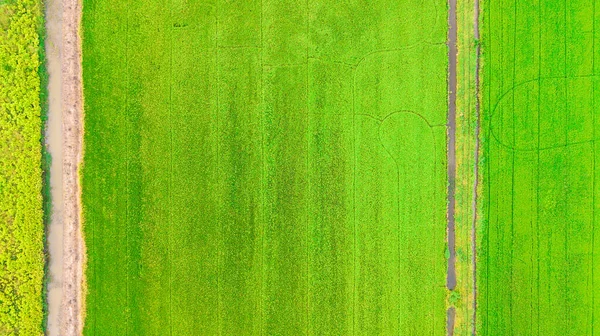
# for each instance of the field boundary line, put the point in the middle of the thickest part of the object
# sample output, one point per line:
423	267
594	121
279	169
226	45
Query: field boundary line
537	191
263	178
74	247
512	176
354	165
170	227
475	206
127	2
567	169
220	223
593	156
308	325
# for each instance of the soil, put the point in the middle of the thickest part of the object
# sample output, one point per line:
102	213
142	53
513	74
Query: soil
72	119
53	141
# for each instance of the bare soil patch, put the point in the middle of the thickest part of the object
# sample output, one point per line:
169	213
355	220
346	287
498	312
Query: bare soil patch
72	118
53	142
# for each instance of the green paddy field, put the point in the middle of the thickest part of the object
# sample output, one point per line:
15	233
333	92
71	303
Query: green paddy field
265	167
282	167
538	254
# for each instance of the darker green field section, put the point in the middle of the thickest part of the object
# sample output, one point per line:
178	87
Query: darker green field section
538	242
265	167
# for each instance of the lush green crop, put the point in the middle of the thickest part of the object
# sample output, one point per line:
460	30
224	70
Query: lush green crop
538	242
21	214
265	167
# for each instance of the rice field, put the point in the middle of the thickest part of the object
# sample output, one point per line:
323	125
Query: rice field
265	167
538	243
281	167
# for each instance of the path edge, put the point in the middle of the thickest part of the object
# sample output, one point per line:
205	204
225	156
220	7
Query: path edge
72	119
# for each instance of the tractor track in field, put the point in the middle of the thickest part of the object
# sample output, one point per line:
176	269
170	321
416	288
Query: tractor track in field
72	122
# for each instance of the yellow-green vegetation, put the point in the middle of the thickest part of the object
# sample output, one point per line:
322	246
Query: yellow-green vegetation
466	123
265	167
21	213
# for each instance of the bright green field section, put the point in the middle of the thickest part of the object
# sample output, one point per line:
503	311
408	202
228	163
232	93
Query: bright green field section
265	167
538	249
21	213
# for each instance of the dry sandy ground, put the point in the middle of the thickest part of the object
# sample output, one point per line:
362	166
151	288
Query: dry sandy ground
53	138
72	94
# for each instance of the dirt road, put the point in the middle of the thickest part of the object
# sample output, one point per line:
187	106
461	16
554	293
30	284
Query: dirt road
72	95
53	142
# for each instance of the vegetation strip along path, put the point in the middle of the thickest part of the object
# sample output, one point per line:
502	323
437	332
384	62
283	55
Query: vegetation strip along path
22	258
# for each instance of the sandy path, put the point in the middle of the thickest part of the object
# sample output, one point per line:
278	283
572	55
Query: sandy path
53	139
72	94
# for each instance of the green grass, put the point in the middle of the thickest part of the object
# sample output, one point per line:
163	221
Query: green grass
538	245
265	167
21	163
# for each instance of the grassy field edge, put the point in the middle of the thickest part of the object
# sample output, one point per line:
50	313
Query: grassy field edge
466	123
46	157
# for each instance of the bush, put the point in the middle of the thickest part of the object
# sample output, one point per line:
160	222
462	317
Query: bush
21	201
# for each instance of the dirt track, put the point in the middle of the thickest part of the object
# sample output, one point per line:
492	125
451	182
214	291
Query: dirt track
53	139
72	94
